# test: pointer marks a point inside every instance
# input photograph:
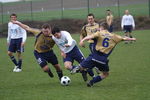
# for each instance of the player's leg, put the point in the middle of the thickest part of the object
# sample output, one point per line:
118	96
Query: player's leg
13	59
105	72
47	70
43	63
11	50
19	49
84	65
68	65
19	56
59	71
68	61
126	32
79	57
51	57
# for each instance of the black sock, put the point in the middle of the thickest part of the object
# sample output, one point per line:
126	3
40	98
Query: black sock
19	63
13	59
49	73
60	74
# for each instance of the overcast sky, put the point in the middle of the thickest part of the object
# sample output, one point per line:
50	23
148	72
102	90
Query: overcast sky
9	0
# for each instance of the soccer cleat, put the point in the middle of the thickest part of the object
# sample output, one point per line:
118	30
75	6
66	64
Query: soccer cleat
18	70
14	70
75	70
89	84
84	75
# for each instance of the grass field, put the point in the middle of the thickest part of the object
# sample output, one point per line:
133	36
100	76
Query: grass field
129	75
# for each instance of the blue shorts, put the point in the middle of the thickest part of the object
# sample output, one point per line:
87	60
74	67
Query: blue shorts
128	28
101	62
92	46
15	45
74	54
43	58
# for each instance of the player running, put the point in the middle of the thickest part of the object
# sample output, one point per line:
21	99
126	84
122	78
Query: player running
104	43
43	51
68	47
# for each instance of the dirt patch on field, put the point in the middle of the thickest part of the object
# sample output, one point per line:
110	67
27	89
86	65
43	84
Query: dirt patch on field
75	25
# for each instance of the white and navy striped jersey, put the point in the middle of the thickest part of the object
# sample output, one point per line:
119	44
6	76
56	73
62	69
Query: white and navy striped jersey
15	32
65	39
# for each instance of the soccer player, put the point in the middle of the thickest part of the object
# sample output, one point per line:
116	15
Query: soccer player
43	48
16	40
104	44
109	20
90	28
68	48
127	24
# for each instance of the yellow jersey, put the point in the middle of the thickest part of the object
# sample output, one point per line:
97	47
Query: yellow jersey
42	43
88	30
106	41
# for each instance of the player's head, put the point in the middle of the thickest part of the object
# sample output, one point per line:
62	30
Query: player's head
108	12
126	12
103	26
56	32
90	18
46	29
13	17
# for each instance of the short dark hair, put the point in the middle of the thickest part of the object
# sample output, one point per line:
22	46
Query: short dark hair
104	25
13	14
108	10
90	14
46	25
55	30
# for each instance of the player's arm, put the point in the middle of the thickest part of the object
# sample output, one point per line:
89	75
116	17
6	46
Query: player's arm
8	37
122	22
26	27
108	20
69	39
63	54
129	39
89	37
24	36
83	33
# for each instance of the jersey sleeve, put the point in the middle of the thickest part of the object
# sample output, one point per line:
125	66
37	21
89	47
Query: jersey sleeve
69	38
24	35
34	31
95	35
117	38
83	32
8	37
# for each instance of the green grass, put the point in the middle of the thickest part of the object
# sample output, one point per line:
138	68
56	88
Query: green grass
100	12
128	80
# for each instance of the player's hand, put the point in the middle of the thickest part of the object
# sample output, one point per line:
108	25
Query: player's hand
22	44
66	45
82	44
63	54
133	39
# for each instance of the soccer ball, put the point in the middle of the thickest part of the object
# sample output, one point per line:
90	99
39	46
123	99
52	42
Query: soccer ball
65	80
